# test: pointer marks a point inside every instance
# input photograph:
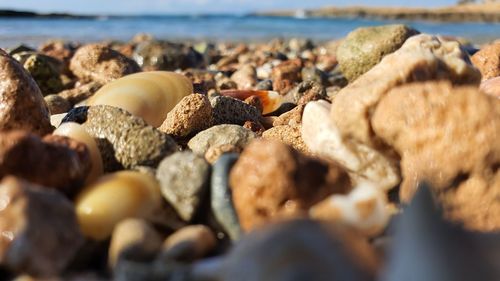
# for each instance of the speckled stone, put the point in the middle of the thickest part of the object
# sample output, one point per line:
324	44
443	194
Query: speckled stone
221	198
220	135
45	71
487	60
227	110
183	178
287	134
23	106
57	104
125	141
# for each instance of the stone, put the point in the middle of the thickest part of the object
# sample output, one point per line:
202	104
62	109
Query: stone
45	71
491	87
264	85
133	239
301	250
487	60
365	47
183	178
57	104
58	49
287	134
448	137
221	200
162	55
285	75
80	92
55	162
215	152
314	75
228	110
291	118
245	77
97	62
39	226
271	181
220	135
124	140
255	127
188	243
421	58
23	106
190	116
305	92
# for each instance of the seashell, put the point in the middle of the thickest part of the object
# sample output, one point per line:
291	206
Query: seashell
77	132
150	95
115	197
271	100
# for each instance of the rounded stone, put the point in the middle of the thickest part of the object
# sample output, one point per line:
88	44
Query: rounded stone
57	104
183	178
487	60
220	135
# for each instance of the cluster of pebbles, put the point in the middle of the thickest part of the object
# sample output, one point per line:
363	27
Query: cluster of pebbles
374	157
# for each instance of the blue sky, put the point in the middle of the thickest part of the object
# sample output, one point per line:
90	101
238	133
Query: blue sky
195	6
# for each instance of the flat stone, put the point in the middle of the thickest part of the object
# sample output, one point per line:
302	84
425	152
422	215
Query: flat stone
220	135
228	110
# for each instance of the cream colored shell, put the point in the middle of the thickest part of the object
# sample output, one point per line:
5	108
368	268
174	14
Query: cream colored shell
150	95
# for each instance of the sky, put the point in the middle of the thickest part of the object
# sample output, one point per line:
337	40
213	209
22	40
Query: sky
195	6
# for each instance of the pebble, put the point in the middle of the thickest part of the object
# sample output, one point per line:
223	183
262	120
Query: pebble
221	200
57	104
45	71
134	240
39	229
285	75
227	110
487	60
305	92
219	135
301	250
313	74
188	243
149	95
124	140
265	101
491	87
190	116
97	62
183	178
448	136
115	197
80	92
23	106
287	134
215	152
245	77
285	185
365	47
155	55
54	161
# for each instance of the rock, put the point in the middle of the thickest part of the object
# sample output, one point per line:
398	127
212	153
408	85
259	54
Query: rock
214	152
491	87
291	118
284	185
264	85
191	115
23	106
487	60
57	104
20	49
54	161
133	239
227	110
314	75
421	58
220	196
245	77
220	135
300	250
162	55
305	92
188	243
39	226
447	136
80	92
125	141
183	178
60	50
255	127
287	134
366	46
285	75
300	44
45	71
256	102
97	62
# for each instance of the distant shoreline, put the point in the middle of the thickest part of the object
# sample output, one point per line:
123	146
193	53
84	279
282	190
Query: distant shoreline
28	14
460	13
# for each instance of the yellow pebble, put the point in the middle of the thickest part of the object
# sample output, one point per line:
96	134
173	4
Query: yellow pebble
114	197
150	95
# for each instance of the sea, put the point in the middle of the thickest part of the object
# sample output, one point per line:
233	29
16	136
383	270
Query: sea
33	32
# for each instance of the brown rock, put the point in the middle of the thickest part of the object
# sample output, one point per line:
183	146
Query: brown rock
256	102
421	58
60	50
57	104
39	228
272	181
287	134
245	77
191	115
95	62
189	243
487	60
255	127
80	92
285	75
23	106
54	161
448	137
292	117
